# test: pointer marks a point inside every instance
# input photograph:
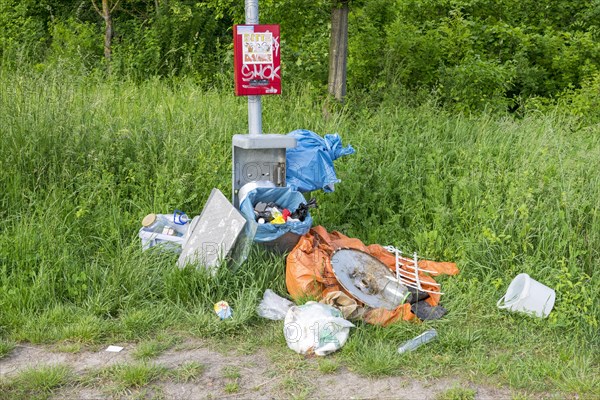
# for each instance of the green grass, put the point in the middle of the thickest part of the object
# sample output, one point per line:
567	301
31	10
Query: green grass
188	371
457	394
36	383
232	387
119	378
82	161
5	348
327	365
153	347
231	372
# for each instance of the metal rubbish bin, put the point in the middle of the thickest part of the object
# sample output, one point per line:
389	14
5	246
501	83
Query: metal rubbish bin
280	238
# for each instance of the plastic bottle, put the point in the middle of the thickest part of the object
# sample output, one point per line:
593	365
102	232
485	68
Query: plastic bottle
415	342
163	224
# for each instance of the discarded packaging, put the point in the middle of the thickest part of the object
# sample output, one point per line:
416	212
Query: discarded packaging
526	295
315	328
424	311
273	307
114	349
418	341
166	230
273	213
310	163
346	304
213	234
309	272
223	310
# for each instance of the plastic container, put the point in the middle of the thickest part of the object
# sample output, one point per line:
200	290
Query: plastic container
168	242
166	224
167	230
418	341
526	295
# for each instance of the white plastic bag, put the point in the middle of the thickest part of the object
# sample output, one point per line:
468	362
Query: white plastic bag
315	327
273	306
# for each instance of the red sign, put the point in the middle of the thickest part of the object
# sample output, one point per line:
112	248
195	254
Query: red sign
256	60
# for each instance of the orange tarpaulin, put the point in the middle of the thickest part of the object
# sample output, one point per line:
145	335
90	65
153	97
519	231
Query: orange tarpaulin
309	272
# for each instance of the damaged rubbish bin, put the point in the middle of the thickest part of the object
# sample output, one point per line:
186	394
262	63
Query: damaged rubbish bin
280	238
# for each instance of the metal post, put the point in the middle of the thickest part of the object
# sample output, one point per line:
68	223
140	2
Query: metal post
254	102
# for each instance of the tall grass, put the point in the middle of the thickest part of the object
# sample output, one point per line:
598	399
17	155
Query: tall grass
83	160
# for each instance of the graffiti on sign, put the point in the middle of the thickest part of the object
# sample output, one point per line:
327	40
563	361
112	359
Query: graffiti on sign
256	60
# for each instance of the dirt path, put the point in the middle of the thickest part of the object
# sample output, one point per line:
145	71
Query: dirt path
256	376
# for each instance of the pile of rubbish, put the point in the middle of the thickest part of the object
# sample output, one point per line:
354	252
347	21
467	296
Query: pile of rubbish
271	213
352	281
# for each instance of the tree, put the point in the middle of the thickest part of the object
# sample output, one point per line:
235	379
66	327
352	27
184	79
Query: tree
106	14
338	49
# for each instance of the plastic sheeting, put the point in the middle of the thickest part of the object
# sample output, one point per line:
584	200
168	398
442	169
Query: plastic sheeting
315	328
284	197
310	163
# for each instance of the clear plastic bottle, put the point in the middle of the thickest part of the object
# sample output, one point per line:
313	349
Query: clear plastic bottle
415	342
164	224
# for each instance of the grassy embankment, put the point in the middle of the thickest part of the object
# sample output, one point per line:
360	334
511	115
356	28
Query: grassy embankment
81	162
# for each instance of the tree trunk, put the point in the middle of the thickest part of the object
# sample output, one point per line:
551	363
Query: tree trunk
338	50
108	30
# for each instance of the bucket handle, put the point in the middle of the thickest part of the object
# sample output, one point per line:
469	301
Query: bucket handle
524	293
503	306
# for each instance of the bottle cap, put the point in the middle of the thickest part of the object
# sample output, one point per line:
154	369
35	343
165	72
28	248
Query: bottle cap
148	220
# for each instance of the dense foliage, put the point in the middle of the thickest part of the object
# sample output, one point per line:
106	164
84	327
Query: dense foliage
468	54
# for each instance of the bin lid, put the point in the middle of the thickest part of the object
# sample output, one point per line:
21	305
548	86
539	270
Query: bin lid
266	141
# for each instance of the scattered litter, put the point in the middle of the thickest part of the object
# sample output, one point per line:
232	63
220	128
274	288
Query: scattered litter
223	310
310	163
273	306
310	273
315	328
346	304
418	341
409	276
424	311
273	213
114	349
416	295
526	295
166	230
213	234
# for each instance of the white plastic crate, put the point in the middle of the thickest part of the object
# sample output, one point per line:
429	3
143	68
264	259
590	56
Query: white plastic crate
168	242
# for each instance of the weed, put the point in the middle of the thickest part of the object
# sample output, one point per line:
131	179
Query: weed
154	347
457	393
5	348
232	387
37	383
188	371
120	377
231	372
67	347
327	366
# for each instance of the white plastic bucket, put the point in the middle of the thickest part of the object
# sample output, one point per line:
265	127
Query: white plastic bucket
525	294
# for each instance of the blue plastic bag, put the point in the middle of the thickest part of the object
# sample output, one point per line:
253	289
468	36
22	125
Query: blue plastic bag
310	163
286	198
